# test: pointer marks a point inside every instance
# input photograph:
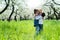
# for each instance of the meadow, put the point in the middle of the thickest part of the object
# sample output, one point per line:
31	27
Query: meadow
25	30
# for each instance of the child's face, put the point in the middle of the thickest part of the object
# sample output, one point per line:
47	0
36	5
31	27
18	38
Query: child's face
37	12
40	11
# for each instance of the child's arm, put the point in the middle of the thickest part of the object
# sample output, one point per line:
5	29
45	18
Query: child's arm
43	18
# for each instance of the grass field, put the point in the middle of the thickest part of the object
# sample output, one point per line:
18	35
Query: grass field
24	30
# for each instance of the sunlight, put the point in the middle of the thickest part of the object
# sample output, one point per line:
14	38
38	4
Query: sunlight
35	3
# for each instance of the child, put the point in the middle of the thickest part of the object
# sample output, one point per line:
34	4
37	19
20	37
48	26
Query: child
41	20
36	20
36	17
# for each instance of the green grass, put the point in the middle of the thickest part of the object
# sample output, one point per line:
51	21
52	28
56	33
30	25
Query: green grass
24	30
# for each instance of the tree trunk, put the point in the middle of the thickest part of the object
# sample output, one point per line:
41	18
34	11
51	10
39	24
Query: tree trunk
7	4
11	13
15	16
54	12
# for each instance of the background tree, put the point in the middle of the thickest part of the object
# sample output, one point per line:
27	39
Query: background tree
52	5
7	4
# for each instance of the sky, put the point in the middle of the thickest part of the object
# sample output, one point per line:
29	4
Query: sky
35	3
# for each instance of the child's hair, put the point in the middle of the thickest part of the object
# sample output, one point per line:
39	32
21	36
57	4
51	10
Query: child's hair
43	14
35	10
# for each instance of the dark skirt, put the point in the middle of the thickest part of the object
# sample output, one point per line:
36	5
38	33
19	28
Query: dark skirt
36	22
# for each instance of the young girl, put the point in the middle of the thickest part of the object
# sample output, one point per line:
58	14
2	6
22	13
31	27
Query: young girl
36	20
41	18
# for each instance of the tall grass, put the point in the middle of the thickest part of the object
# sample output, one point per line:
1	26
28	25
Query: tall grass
24	30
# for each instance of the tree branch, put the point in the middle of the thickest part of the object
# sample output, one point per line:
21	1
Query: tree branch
7	4
55	2
11	13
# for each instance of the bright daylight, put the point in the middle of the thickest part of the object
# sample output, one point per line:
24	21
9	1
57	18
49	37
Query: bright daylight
35	3
29	19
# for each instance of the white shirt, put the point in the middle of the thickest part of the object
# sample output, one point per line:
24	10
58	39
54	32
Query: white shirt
40	18
37	17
